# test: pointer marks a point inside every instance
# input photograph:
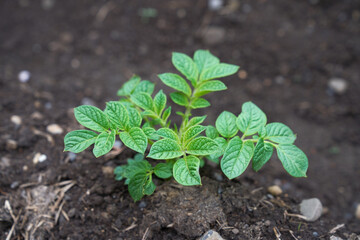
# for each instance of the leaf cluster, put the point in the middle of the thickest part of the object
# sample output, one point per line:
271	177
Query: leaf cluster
141	119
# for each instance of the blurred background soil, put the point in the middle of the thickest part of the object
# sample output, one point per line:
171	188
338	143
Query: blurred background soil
299	63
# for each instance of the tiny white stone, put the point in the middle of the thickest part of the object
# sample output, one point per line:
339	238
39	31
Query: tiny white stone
335	238
24	76
42	158
54	129
16	120
275	190
338	85
311	209
215	4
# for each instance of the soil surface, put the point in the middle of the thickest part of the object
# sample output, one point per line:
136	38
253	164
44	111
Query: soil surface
80	52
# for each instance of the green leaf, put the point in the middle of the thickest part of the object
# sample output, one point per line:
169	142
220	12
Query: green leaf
149	187
135	139
119	173
195	121
210	86
251	119
279	133
199	103
150	133
192	132
91	117
79	140
218	71
117	114
143	100
165	149
134	117
176	82
145	87
149	113
211	132
236	157
129	86
179	98
222	143
163	170
262	154
166	114
226	124
293	159
104	143
136	166
160	102
137	185
167	133
202	146
186	171
186	66
204	60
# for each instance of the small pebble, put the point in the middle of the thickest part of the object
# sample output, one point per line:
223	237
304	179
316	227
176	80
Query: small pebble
72	213
118	144
16	120
214	35
311	209
338	85
38	158
108	171
48	105
14	185
275	190
215	4
315	234
235	231
5	162
11	144
87	101
142	204
37	116
71	156
24	76
218	177
335	238
54	129
357	212
211	235
267	223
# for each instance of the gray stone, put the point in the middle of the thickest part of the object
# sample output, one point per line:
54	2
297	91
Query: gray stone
211	235
214	35
311	209
338	85
335	238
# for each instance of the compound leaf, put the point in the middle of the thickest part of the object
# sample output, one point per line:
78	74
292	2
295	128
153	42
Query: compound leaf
176	82
104	143
135	139
145	87
160	102
226	124
78	140
262	154
204	60
143	100
186	171
279	133
200	103
117	114
192	132
179	98
92	118
236	157
218	71
163	170
165	149
251	119
202	146
167	133
293	159
186	66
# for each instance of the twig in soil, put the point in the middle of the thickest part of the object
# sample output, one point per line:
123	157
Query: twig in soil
333	230
114	153
256	190
103	12
277	233
294	215
133	225
48	136
13	226
292	234
145	234
8	207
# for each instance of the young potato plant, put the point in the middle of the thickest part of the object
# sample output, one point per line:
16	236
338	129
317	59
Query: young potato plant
141	119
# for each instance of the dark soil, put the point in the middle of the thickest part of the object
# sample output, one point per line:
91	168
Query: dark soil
288	51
